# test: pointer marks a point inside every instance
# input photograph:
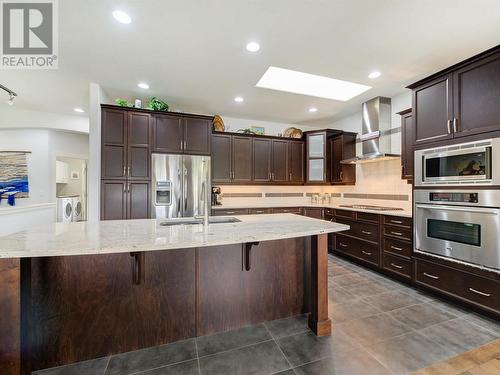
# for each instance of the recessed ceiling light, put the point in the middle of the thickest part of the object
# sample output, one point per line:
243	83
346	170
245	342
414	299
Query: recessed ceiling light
253	47
238	99
79	110
310	84
121	16
375	74
143	85
313	109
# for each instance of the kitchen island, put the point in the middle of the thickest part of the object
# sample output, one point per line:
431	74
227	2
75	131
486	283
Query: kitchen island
77	291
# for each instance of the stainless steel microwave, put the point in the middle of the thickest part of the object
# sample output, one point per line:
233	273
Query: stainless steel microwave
472	163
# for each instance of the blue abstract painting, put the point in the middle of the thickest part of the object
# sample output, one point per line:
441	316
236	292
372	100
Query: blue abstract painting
14	174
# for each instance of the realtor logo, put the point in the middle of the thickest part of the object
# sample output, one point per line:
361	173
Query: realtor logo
29	34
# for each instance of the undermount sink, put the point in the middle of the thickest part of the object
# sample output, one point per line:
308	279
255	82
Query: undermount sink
191	221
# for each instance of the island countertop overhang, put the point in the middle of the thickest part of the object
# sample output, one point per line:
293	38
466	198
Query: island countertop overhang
122	236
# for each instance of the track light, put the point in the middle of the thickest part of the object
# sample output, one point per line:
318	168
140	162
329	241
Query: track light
11	93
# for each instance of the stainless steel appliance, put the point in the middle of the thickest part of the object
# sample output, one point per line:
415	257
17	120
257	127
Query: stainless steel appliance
181	185
469	163
462	225
376	132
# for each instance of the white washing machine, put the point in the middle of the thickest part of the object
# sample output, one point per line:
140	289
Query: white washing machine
77	208
64	209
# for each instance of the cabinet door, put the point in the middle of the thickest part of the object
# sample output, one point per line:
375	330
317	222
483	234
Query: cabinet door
113	200
261	160
221	158
197	136
314	212
407	146
316	157
168	134
279	158
139	131
296	162
337	152
242	159
476	100
114	143
138	200
433	104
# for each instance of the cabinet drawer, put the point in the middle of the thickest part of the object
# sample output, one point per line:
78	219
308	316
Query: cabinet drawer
368	217
236	211
316	213
397	265
287	210
397	247
464	285
258	211
346	214
358	248
398	220
398	232
366	231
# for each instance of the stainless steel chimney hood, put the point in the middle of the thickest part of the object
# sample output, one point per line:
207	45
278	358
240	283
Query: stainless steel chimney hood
376	132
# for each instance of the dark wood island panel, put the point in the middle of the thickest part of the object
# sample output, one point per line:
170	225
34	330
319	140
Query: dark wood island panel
66	309
10	316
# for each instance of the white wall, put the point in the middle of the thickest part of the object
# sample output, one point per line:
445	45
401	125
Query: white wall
233	124
44	146
13	117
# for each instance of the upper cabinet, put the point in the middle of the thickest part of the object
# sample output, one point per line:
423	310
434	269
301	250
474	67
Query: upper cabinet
316	157
176	133
461	101
125	144
343	147
245	159
406	144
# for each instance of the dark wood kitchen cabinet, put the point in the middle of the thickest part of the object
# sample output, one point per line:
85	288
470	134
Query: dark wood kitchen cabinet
319	156
125	144
343	147
296	162
261	162
122	199
181	133
407	153
279	170
433	110
231	158
459	101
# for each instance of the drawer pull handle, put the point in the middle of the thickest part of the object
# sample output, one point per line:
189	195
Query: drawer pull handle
396	222
366	252
396	265
366	232
230	212
397	233
342	244
431	276
480	293
396	248
259	212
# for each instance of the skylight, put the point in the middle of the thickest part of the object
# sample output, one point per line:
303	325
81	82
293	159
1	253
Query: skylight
310	84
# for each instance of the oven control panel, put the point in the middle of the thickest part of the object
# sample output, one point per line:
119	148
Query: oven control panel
454	197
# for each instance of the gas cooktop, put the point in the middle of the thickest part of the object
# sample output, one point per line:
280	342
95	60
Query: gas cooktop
369	207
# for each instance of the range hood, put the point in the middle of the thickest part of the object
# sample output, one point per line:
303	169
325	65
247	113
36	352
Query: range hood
376	132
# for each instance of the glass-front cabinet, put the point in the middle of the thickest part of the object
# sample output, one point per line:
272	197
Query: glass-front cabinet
318	155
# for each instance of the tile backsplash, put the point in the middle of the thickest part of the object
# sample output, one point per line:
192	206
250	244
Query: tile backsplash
374	181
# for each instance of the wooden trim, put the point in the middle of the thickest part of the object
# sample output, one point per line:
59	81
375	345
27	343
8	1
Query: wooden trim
404	112
319	322
177	114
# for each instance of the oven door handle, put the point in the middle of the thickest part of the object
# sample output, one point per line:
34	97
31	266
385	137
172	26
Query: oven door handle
452	208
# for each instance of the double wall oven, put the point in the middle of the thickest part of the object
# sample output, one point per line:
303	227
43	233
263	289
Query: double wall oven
460	219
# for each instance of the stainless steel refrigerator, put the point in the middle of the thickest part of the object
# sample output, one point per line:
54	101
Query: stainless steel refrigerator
181	184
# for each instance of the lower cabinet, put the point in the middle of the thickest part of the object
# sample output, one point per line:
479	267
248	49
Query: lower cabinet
465	286
122	199
358	248
234	211
314	212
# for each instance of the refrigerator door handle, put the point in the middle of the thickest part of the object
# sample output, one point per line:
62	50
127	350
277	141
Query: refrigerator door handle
184	188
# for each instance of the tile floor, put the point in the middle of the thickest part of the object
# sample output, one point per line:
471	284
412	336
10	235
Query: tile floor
380	327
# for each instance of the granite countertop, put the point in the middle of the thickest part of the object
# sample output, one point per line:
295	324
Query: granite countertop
122	236
227	206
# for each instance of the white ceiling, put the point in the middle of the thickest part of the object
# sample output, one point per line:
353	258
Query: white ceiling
192	52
